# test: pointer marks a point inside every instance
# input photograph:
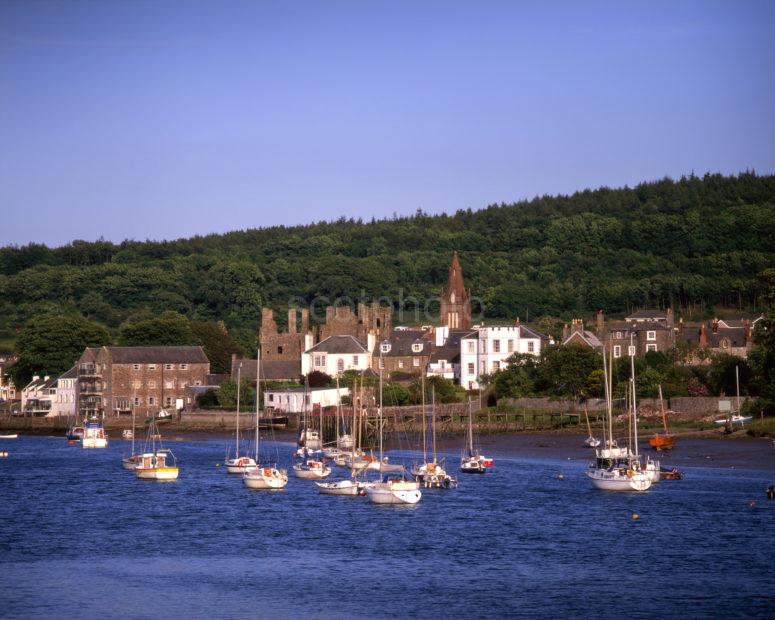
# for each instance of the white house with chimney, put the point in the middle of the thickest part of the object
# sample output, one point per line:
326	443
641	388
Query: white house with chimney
338	354
486	349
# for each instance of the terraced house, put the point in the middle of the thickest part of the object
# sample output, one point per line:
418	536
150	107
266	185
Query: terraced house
113	380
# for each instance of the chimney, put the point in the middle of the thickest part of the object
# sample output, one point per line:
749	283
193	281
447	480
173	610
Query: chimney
304	320
714	326
291	320
600	322
371	341
517	323
670	319
565	332
309	341
703	338
746	331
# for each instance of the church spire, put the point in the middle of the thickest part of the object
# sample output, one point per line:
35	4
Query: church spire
456	278
455	308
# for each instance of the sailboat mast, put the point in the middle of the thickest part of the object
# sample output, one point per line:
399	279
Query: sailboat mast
610	394
258	395
133	425
422	418
338	411
634	402
737	385
662	409
470	429
433	420
380	413
236	438
354	430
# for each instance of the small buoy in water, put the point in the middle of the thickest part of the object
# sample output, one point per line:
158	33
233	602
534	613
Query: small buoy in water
635	516
3	454
752	503
560	477
771	491
217	464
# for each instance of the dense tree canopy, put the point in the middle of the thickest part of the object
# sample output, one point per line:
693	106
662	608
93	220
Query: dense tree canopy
50	344
692	244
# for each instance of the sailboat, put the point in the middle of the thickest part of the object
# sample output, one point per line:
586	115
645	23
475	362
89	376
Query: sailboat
431	473
155	460
94	435
471	461
238	464
309	467
350	487
591	441
613	468
666	440
735	418
130	462
396	490
262	476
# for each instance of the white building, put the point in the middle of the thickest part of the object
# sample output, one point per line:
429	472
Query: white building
292	400
486	349
337	354
445	358
37	396
63	402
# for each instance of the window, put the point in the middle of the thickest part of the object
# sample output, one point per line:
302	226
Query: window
137	384
137	400
319	360
279	350
184	366
271	397
724	343
470	344
416	362
151	400
496	346
530	346
135	366
511	346
169	385
496	366
631	351
152	384
151	366
471	368
651	347
651	335
381	363
340	365
618	335
417	347
617	351
197	383
400	363
168	401
183	385
355	360
167	366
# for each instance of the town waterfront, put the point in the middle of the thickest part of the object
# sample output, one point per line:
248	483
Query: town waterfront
83	538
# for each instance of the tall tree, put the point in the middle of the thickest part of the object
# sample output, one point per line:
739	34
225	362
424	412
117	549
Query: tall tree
168	329
50	345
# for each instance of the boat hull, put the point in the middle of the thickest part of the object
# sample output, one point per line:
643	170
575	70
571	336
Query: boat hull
379	494
611	481
157	473
265	479
662	442
311	474
239	465
94	442
130	463
343	487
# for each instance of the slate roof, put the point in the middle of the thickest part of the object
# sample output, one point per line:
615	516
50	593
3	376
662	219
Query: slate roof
526	332
401	342
70	374
271	370
450	351
339	344
647	314
586	336
157	355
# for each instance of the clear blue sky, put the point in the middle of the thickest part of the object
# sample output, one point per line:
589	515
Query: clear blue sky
162	119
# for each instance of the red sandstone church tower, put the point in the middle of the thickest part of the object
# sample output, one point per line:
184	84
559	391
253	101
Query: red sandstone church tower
456	299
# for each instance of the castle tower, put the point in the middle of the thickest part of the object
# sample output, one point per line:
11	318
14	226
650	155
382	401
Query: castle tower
455	299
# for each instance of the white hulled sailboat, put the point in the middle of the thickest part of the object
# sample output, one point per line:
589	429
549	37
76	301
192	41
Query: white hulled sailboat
238	464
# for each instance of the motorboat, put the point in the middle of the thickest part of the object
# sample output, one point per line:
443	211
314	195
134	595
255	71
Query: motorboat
94	435
156	466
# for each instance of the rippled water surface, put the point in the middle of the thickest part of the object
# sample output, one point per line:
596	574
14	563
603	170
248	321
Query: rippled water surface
83	538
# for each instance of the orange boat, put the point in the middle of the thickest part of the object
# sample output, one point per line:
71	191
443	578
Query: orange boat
666	440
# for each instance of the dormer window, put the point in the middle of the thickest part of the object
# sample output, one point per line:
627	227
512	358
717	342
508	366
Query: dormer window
417	347
385	347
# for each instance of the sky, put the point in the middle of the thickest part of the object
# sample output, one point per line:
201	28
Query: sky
141	119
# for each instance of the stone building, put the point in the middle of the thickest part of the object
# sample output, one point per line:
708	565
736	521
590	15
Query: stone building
372	319
403	351
649	330
576	333
455	310
111	380
282	346
730	336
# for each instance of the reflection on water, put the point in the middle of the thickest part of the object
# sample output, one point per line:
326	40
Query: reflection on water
83	538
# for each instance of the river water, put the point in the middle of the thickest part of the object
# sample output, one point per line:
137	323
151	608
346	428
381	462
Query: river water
82	538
